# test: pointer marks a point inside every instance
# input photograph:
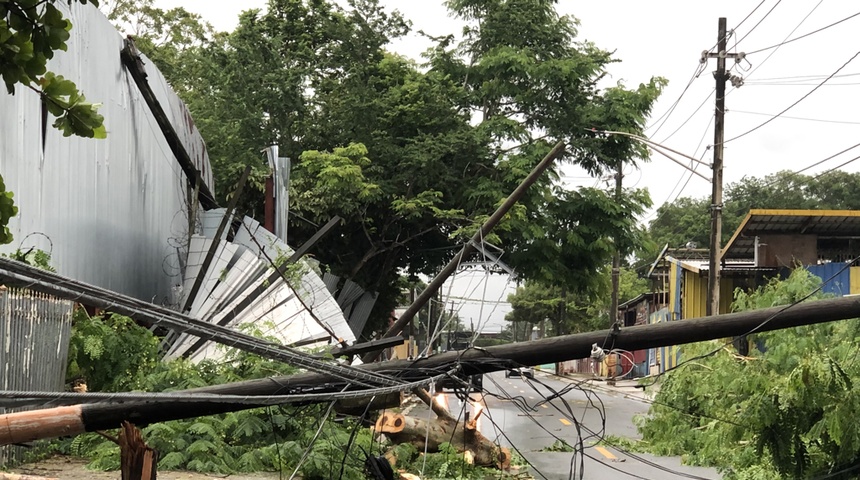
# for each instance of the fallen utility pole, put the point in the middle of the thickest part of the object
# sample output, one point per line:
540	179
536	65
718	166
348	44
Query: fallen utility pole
130	57
469	247
72	420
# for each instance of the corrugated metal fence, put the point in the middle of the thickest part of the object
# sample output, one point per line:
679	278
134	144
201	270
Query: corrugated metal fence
35	330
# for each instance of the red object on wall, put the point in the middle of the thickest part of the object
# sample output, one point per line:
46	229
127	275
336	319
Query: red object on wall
269	209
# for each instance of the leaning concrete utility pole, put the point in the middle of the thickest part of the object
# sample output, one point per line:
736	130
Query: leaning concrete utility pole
720	75
32	425
469	247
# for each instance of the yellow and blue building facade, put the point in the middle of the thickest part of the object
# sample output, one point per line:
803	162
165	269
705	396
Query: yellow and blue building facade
768	243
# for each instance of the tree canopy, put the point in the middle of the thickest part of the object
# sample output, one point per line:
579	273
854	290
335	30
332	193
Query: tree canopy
572	312
688	219
413	157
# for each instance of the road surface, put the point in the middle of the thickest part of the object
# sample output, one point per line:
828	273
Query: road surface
531	427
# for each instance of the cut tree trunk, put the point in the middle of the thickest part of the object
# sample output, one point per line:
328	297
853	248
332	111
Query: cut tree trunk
464	436
137	460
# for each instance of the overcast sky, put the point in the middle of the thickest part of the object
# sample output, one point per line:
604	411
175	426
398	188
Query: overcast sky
666	38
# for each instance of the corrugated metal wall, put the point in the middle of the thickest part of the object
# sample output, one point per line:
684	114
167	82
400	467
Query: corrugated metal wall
112	212
854	276
694	297
35	330
837	278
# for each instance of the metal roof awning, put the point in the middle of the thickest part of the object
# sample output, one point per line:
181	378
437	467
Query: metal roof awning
828	223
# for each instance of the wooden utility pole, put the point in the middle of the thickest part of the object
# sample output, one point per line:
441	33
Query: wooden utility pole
616	257
22	427
130	57
137	460
469	247
720	76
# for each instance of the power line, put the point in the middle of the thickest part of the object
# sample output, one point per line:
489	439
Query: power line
749	15
795	103
775	84
691	115
20	398
804	35
808	167
64	287
759	22
699	69
844	122
828	158
689	174
665	117
835	168
763	323
802	21
804	77
701	141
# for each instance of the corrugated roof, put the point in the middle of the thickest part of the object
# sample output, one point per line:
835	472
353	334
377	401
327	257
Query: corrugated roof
830	223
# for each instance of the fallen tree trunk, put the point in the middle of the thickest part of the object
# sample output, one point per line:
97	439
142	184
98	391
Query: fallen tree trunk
28	426
463	436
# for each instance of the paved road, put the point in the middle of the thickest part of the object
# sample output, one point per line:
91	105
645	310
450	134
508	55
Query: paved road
531	432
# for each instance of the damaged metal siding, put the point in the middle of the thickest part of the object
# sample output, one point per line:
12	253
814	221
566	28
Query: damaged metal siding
111	212
291	314
35	330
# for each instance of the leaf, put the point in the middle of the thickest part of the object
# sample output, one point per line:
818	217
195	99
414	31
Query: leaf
172	461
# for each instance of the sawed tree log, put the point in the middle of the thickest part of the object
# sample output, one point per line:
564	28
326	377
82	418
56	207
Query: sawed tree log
464	436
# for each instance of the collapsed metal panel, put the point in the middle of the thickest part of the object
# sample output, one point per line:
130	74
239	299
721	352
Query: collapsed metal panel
111	212
230	293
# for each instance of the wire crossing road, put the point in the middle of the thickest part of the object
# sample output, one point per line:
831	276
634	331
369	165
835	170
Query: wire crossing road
513	413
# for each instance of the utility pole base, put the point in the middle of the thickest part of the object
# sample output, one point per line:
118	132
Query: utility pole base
137	460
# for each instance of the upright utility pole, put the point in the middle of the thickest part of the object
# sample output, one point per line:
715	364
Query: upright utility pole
616	258
720	75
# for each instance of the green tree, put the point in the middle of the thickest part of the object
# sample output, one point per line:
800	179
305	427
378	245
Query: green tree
684	221
571	312
30	32
786	411
688	219
392	148
110	352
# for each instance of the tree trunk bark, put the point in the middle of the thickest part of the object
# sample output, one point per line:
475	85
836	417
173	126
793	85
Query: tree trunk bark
137	460
464	436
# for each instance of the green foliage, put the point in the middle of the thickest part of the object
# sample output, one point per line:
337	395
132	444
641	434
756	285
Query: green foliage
114	354
688	219
110	352
786	411
34	257
30	32
7	211
392	148
572	311
448	463
683	221
558	446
